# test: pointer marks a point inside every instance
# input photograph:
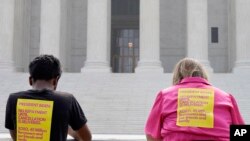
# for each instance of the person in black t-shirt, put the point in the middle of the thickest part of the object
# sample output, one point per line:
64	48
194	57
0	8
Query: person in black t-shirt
42	112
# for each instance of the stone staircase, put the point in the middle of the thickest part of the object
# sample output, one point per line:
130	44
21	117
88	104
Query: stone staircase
120	103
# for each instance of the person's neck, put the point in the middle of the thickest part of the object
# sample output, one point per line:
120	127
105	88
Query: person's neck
42	84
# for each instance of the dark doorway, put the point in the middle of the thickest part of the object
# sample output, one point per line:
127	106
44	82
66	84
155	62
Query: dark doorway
125	50
125	35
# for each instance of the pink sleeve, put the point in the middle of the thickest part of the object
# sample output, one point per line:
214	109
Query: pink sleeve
235	113
154	122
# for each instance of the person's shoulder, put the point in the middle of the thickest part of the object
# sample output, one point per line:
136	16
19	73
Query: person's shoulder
221	94
169	90
15	95
66	95
18	94
220	91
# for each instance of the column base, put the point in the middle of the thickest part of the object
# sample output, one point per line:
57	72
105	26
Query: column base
149	67
242	67
207	66
96	67
7	66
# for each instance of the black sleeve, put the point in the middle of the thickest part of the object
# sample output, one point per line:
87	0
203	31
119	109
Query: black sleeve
77	117
10	111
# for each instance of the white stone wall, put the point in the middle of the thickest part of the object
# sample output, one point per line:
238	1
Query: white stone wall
21	34
218	52
27	34
78	34
173	32
231	34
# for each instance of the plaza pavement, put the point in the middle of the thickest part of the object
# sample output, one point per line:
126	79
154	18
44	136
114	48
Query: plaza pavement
119	103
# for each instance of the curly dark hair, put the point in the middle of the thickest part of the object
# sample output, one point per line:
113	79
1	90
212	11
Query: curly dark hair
45	67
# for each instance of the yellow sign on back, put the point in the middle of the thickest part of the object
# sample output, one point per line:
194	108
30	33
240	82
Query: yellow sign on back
34	120
195	107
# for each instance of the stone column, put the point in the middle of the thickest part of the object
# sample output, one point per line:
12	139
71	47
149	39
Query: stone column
6	34
98	36
197	32
22	28
50	27
149	37
242	11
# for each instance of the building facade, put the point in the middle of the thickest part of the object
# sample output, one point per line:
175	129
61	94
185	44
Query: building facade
126	36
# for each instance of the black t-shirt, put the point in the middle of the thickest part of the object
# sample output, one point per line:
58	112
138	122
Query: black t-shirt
66	111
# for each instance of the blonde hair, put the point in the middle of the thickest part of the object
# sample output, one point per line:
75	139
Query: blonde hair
188	67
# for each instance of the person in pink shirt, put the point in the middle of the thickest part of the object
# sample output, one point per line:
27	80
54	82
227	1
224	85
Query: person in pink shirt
192	109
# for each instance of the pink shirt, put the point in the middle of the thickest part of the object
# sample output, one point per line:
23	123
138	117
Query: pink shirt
161	123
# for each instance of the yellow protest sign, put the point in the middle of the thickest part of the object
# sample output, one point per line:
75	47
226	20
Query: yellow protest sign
195	107
33	119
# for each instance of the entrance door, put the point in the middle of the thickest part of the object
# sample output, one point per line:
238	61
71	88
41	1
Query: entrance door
124	50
